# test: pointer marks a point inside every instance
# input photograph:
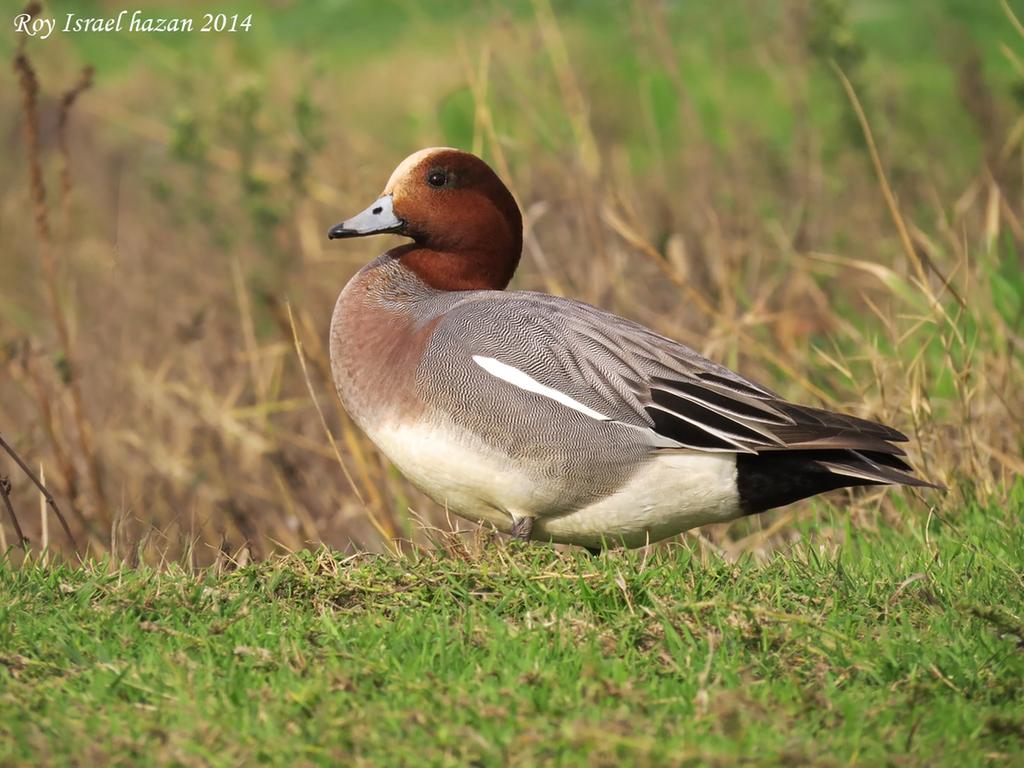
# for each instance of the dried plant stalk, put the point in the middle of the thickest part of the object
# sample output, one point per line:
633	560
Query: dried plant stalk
52	502
66	102
29	87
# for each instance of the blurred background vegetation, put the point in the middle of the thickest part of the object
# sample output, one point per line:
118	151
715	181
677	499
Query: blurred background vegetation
697	166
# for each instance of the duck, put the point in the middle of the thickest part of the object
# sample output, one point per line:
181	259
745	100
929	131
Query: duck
550	419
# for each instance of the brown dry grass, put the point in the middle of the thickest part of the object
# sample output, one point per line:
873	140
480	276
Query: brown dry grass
149	334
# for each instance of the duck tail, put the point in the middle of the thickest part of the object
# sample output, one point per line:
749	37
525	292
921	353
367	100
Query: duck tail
773	479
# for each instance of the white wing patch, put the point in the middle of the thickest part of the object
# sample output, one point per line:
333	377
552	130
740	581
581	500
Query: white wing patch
518	378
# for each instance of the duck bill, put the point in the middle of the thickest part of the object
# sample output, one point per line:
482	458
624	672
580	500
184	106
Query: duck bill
378	219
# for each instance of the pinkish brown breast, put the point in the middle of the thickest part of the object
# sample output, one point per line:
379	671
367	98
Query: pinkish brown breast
376	345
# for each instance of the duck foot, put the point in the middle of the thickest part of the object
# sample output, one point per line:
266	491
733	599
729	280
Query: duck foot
522	527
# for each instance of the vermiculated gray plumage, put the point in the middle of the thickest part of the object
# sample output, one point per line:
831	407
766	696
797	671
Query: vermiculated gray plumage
634	377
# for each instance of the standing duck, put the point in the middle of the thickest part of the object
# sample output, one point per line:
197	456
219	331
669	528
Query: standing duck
549	418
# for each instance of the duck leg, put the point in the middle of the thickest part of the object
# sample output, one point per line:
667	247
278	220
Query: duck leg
522	527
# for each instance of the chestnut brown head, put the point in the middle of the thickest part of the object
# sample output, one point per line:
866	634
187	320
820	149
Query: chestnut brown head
463	219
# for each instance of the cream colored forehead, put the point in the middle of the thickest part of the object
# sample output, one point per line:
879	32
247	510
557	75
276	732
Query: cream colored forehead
409	164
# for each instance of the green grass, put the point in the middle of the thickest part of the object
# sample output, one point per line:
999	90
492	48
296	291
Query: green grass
900	647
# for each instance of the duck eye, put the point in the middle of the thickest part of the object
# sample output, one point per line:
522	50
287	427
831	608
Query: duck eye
437	178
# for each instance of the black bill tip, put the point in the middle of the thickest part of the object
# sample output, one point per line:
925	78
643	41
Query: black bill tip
339	231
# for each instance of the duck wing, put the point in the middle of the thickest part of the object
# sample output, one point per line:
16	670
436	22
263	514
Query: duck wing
621	371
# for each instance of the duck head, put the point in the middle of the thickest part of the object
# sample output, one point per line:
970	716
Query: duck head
465	225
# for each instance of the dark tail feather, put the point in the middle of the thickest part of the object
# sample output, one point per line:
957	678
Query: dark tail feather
774	479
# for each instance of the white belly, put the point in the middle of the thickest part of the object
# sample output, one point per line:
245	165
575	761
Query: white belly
673	492
457	471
